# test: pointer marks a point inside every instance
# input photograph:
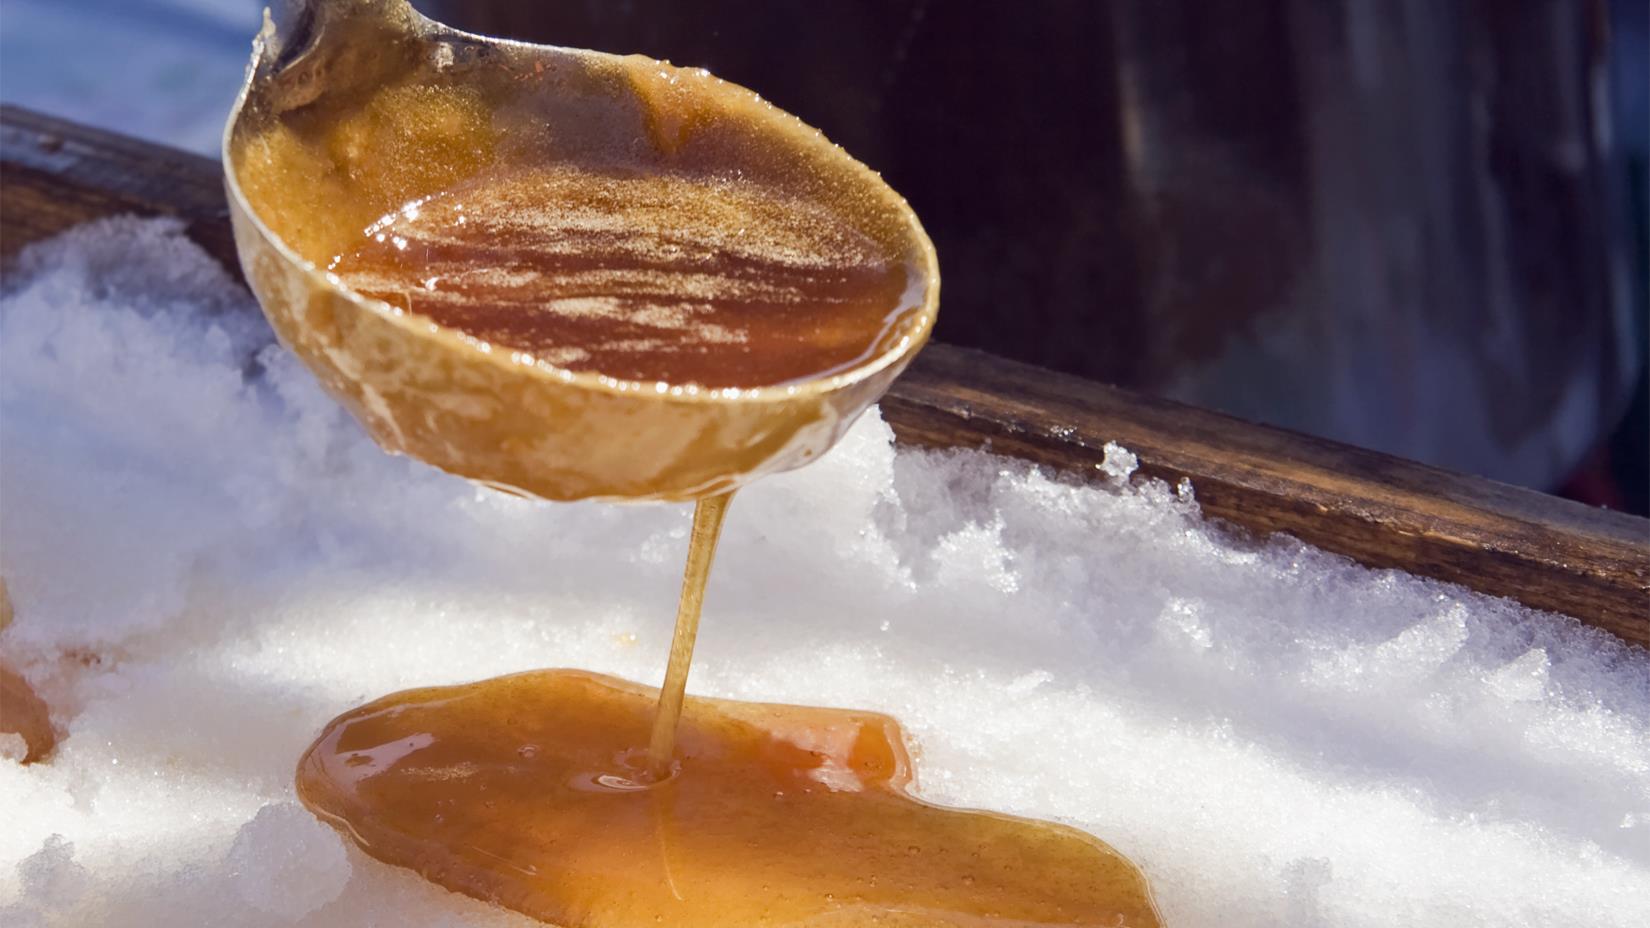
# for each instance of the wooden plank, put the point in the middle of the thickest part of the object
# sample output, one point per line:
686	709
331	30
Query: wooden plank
1546	552
59	174
1382	511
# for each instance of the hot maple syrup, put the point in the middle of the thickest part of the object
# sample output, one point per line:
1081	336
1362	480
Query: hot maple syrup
533	791
654	226
640	276
629	248
22	711
707	528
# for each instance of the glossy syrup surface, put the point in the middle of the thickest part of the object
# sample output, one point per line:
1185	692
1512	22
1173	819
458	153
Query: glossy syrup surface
533	791
640	275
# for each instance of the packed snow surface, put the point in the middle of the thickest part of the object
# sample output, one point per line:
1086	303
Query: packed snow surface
210	561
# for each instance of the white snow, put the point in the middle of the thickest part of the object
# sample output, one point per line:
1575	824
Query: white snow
209	561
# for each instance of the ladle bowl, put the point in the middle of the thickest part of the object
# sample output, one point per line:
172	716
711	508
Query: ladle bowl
481	410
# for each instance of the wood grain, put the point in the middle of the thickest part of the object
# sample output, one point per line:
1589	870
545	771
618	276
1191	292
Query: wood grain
58	174
1382	511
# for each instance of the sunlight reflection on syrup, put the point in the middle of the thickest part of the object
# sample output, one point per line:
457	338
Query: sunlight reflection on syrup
532	791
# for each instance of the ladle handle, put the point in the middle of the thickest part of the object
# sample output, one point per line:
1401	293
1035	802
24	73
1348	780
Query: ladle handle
295	30
296	22
291	28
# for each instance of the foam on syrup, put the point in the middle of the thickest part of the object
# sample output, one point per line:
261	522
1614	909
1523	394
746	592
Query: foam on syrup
530	791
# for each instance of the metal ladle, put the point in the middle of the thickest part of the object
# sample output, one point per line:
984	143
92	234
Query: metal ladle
425	390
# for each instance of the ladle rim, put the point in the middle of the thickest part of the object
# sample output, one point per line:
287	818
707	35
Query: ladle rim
424	327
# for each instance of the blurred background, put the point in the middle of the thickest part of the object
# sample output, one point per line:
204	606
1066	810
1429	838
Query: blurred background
1412	225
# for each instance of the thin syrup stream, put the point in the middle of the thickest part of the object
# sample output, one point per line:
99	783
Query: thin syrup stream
707	528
